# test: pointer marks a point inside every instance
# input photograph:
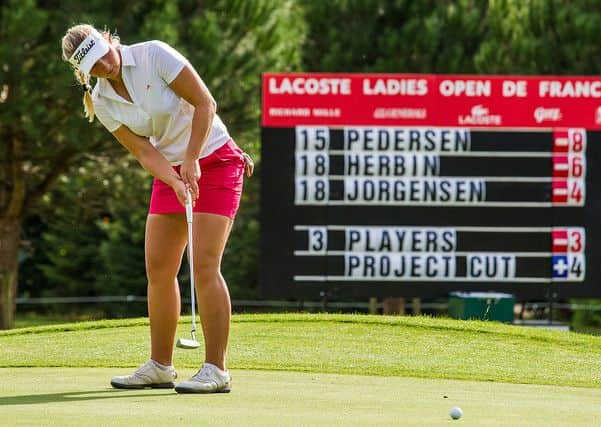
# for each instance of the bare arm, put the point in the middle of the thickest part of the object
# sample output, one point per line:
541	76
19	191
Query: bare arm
190	86
151	159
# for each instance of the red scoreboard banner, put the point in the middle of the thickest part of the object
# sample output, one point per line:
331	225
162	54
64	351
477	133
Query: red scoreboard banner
292	99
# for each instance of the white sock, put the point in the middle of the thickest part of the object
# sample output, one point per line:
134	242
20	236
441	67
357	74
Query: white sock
160	366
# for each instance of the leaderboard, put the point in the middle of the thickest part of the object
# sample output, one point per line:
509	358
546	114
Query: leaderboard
437	166
366	192
466	254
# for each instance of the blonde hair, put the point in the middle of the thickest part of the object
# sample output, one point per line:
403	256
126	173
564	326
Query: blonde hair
71	40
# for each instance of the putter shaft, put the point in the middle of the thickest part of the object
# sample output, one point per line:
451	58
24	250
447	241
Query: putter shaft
184	343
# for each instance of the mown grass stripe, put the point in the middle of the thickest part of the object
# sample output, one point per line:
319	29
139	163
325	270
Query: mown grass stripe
425	322
334	343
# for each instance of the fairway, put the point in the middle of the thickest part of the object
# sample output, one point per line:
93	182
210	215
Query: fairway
78	396
310	369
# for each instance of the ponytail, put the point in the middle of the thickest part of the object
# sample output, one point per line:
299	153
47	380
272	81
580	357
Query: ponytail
88	105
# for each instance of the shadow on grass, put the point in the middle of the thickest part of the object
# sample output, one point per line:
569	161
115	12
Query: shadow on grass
33	399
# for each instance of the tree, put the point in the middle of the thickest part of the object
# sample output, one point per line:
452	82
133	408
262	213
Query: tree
40	133
43	133
453	36
549	37
396	36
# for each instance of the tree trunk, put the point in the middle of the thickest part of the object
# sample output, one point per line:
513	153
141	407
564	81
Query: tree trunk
10	239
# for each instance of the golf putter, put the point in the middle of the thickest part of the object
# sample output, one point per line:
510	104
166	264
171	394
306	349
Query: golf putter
183	342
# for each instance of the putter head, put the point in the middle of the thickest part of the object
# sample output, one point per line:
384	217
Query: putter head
187	344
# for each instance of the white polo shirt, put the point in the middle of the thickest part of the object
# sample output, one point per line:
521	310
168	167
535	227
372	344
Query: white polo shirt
157	112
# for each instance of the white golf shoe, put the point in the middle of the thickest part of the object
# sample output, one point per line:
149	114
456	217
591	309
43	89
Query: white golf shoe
147	375
209	379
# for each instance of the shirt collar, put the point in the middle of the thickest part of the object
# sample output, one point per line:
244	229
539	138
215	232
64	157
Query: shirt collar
103	87
127	57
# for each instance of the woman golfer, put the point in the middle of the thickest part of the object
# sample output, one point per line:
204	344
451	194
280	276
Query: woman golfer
154	103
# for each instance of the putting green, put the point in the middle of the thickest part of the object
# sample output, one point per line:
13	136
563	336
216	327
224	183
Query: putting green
82	396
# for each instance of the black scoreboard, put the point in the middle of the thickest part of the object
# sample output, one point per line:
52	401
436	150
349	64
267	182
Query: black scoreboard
411	209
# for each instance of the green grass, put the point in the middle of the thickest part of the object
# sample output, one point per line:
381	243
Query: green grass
81	397
339	344
310	369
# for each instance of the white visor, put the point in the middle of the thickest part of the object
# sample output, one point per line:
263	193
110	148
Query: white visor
89	51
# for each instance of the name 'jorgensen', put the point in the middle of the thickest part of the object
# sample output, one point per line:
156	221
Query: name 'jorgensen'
414	190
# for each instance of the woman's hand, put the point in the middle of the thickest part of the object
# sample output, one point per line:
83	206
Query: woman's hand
179	187
190	173
249	165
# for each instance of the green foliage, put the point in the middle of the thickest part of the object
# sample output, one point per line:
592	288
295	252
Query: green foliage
588	319
42	108
86	200
241	258
87	215
460	36
73	258
541	37
71	244
122	249
393	36
231	42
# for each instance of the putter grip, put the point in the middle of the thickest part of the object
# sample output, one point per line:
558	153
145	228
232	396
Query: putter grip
188	207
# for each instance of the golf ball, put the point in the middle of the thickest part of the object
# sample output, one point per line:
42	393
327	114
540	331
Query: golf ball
456	412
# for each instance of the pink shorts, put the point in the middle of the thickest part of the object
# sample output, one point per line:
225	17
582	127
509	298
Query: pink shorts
220	185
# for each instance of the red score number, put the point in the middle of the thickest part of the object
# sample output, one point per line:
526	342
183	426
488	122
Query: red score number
577	140
576	166
576	191
576	241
